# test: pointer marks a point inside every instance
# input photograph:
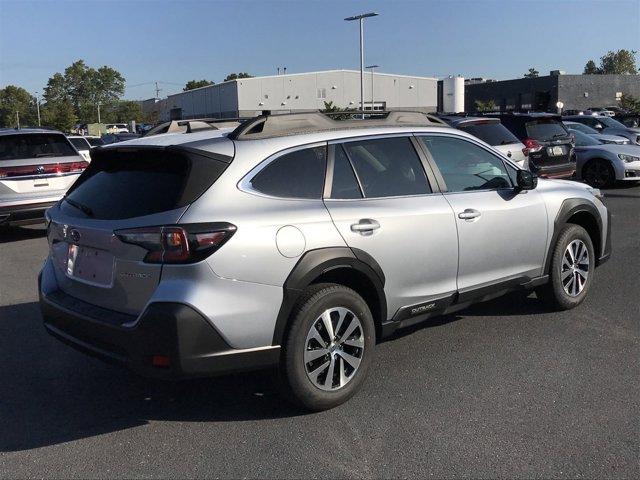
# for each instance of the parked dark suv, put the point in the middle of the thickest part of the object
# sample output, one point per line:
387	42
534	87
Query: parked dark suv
547	142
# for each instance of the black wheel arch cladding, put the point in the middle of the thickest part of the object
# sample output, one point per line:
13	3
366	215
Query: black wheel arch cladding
322	264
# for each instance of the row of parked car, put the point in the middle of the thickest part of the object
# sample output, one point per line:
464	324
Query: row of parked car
599	150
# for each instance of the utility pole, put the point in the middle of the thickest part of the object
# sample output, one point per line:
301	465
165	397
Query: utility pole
18	119
99	112
361	20
38	108
158	90
372	67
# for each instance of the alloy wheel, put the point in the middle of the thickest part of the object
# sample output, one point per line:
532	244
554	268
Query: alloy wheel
597	174
334	348
575	268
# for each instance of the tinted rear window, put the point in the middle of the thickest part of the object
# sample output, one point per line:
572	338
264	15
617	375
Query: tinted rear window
126	184
34	145
79	143
95	142
298	174
491	132
545	129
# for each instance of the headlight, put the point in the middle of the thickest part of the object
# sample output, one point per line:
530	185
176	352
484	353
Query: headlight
628	158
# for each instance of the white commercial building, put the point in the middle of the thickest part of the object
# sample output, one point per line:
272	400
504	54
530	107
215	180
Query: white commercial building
302	92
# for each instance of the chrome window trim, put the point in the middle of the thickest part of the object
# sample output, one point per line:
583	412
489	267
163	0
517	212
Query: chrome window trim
39	177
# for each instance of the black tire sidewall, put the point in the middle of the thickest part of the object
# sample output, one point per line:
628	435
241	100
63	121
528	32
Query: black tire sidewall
308	310
568	234
612	174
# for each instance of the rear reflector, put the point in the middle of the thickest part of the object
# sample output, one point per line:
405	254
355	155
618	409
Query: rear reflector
161	361
45	169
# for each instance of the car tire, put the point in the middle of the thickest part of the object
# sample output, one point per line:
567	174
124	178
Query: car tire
599	174
571	270
309	357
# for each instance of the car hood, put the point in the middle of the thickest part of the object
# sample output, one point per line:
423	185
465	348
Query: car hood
611	138
612	148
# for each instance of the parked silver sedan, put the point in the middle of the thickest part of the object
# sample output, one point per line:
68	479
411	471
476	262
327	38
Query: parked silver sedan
601	165
615	139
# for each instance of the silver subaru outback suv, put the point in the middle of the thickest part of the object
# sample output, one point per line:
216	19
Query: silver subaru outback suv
299	241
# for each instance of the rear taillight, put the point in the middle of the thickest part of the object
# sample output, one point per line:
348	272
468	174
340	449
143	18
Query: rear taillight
46	169
178	244
531	146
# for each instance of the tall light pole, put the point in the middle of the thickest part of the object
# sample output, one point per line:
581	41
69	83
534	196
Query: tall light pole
38	108
361	20
98	112
372	67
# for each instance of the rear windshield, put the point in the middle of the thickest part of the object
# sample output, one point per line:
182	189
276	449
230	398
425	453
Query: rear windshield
95	142
132	183
493	133
545	129
79	143
34	145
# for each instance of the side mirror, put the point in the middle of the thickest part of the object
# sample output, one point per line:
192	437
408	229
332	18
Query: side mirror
526	180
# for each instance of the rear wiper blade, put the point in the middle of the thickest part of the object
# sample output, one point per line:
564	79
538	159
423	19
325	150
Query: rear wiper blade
83	208
558	135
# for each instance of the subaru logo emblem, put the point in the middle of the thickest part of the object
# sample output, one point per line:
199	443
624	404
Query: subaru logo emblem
74	234
40	169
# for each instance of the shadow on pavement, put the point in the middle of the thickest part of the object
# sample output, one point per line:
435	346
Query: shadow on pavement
52	394
16	234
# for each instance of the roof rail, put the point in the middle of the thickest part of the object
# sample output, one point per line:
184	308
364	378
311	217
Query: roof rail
269	126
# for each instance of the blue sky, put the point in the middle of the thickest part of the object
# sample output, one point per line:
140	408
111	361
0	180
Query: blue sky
175	41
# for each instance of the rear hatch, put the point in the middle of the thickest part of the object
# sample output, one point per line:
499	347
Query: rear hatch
491	131
123	188
549	146
34	166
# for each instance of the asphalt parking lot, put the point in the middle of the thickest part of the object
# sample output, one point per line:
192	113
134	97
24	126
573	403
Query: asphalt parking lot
503	389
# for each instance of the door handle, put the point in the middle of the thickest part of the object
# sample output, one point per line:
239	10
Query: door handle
469	214
365	226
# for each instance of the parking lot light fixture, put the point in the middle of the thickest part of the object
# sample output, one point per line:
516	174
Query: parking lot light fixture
372	68
361	18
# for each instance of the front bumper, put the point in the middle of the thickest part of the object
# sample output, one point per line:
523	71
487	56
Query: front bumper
177	334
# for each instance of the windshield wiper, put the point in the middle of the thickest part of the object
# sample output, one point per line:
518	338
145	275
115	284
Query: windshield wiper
83	208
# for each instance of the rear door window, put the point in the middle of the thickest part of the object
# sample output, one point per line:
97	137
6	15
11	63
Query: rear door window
387	167
80	143
545	129
35	145
493	133
466	166
344	183
298	174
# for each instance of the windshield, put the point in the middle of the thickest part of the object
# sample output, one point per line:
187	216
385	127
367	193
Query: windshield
545	129
34	145
79	143
610	122
584	140
580	127
494	133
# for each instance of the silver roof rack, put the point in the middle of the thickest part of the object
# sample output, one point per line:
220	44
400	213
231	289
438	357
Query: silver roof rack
269	126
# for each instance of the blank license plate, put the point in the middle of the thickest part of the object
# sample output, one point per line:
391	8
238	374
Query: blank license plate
555	151
90	265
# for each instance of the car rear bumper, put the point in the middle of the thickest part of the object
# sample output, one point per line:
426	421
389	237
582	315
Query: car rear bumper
169	340
566	170
23	214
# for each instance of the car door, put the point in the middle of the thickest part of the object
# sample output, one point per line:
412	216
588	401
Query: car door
502	233
382	204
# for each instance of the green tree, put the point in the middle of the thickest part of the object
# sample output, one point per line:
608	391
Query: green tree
488	106
122	111
628	102
60	115
16	99
619	62
191	84
590	68
236	76
85	87
330	107
533	73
